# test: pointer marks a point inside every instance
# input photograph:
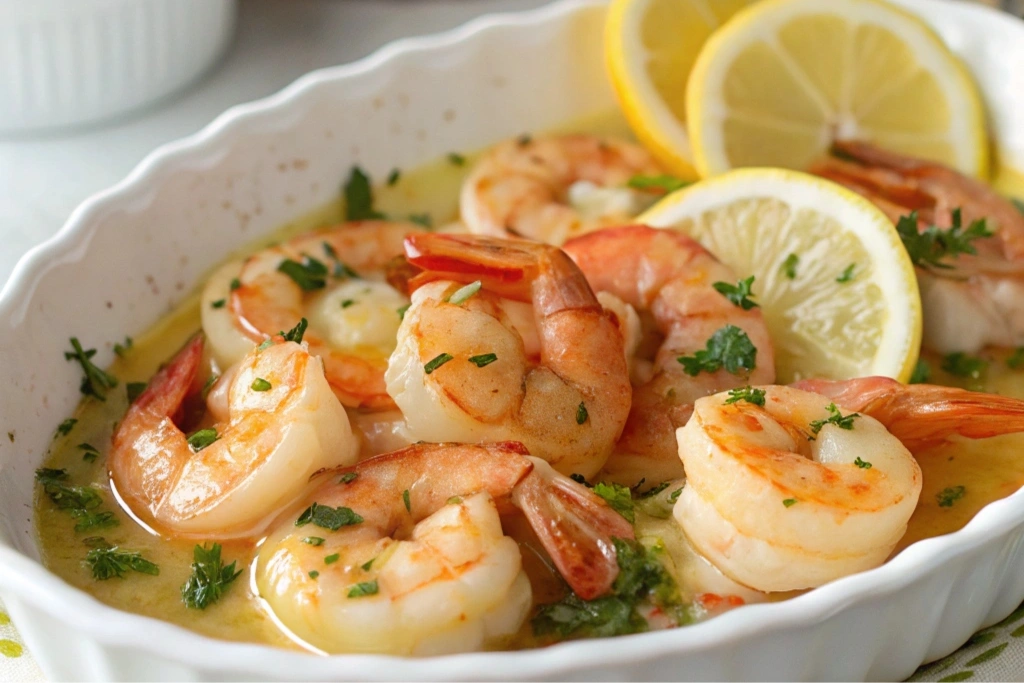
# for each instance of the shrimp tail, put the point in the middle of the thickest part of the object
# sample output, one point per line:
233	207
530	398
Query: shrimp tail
167	391
922	415
575	526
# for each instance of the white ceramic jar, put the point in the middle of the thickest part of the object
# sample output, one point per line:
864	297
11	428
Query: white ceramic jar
70	62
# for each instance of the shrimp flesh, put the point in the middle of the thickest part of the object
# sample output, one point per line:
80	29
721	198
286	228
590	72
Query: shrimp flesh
421	566
976	302
463	371
335	279
281	423
669	279
552	188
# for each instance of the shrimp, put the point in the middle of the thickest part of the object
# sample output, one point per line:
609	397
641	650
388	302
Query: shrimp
421	566
668	277
977	302
553	188
281	424
462	370
333	278
795	493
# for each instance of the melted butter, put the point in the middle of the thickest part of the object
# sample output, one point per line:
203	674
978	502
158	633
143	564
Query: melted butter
988	470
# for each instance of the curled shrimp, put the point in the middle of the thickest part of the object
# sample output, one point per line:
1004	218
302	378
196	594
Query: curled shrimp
336	281
777	511
462	371
977	301
280	424
422	566
553	188
668	278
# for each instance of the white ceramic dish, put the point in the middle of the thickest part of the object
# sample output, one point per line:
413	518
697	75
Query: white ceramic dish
130	253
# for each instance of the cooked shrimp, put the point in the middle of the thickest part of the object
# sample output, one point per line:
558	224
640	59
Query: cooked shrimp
778	506
977	302
776	511
462	370
553	188
421	566
283	424
669	279
336	281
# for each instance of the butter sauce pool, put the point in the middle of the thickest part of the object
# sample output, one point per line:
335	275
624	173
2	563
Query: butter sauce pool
987	470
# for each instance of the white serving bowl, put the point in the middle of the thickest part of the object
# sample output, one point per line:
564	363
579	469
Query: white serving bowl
128	254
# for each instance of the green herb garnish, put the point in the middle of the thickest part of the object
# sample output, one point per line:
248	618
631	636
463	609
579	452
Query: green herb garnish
359	197
361	590
729	347
122	348
310	274
964	365
210	577
260	384
789	266
313	540
437	362
393	177
928	248
922	372
89	519
203	438
581	413
65	427
109	562
133	390
90	452
454	500
483	359
675	495
401	311
618	498
219	303
348	477
456	159
738	293
950	495
296	333
327	517
463	294
235	283
789	502
748	394
96	382
65	497
847	274
662	184
835	418
331	559
405	499
863	464
313	574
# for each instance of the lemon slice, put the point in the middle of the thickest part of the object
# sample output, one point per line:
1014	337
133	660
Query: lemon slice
651	46
836	286
784	78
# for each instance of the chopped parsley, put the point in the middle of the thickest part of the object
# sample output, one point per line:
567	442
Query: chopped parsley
348	477
313	540
203	438
422	219
348	302
835	418
361	590
327	517
642	579
847	274
108	562
210	577
366	565
331	559
618	498
927	248
235	283
738	293
133	390
675	495
341	269
748	394
313	574
393	177
454	500
401	311
662	184
210	381
89	519
90	453
950	495
464	294
310	275
581	413
64	496
789	266
964	365
456	159
296	333
65	427
1016	359
789	502
922	372
728	348
437	362
863	464
405	499
219	303
122	348
359	197
96	382
580	479
260	384
483	359
654	491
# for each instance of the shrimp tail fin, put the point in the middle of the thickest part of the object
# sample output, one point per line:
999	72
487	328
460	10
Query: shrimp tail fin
922	415
167	390
575	526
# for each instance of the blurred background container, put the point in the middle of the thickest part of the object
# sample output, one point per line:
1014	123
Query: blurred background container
70	62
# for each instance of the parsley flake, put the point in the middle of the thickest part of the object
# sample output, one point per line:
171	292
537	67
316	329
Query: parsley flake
361	590
401	311
327	517
964	365
260	384
313	574
790	502
674	496
219	303
927	248
295	334
922	372
581	413
88	519
464	294
863	464
122	348
729	347
366	565
203	438
835	418
235	284
748	394
437	362
789	266
405	499
359	197
310	275
949	495
90	452
661	184
456	159
65	427
96	382
847	274
454	500
331	559
63	495
348	477
110	562
393	177
483	359
210	577
133	390
313	540
738	293
618	498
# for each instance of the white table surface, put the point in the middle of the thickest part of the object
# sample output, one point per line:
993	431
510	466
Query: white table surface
43	178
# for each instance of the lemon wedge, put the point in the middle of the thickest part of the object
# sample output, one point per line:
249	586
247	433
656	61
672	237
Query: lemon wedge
650	46
784	78
836	286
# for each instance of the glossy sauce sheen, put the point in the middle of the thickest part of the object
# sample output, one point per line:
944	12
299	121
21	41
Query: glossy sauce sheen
988	470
